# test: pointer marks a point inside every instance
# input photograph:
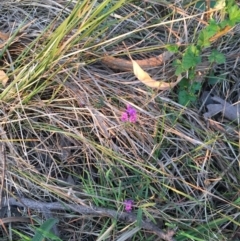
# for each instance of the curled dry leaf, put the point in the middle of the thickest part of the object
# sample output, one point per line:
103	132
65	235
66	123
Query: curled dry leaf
144	76
3	78
147	80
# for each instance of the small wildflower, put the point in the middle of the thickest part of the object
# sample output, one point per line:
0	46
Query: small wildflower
124	117
133	118
129	115
130	110
128	205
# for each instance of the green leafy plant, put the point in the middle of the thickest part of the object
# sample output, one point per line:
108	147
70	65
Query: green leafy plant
189	87
42	233
187	92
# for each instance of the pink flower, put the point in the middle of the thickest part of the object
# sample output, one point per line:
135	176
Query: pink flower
133	118
129	115
124	117
130	110
128	205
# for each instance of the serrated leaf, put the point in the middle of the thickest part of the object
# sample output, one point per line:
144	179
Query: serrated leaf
185	98
178	65
230	3
184	83
190	61
196	86
207	33
191	74
193	50
179	70
234	14
191	57
217	57
172	48
177	62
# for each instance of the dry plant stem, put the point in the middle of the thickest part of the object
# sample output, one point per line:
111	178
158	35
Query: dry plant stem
122	216
3	162
15	220
125	65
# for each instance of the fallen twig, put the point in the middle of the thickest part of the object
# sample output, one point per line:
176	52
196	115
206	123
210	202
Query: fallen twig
125	65
81	209
15	220
3	162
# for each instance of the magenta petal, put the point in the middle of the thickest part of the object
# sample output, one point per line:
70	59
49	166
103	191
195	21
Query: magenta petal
128	205
124	117
129	115
133	118
130	110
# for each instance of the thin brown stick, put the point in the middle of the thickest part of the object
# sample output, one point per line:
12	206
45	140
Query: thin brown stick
15	220
207	2
3	162
81	209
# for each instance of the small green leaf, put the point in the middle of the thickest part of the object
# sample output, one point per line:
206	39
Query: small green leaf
184	83
224	24
193	50
195	87
217	57
177	63
191	57
185	98
172	48
230	3
179	68
234	14
207	33
191	74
